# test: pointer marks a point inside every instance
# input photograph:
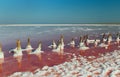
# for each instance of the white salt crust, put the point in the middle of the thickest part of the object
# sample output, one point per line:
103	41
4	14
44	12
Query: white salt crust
108	65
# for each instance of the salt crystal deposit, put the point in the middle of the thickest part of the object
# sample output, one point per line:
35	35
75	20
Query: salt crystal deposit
107	65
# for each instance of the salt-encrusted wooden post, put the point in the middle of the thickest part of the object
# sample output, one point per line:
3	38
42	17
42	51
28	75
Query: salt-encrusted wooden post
1	58
29	48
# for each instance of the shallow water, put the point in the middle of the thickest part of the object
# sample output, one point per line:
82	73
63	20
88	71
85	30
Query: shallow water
9	34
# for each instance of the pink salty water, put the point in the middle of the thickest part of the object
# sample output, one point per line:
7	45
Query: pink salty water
49	58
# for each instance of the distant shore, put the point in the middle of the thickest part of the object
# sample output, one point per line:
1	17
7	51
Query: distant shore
59	24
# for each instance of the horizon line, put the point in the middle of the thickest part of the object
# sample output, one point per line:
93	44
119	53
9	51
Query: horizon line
113	24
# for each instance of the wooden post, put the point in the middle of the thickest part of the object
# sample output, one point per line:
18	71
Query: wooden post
29	50
61	46
19	58
39	55
1	58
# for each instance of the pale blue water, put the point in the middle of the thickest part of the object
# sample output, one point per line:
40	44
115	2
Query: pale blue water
9	34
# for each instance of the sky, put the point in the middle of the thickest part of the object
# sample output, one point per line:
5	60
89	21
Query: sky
59	11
